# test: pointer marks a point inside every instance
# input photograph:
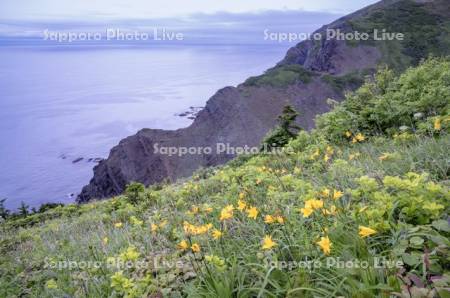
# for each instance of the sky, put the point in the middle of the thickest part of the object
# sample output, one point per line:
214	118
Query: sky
27	10
215	21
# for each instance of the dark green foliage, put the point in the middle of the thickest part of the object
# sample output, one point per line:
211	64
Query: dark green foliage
349	81
134	191
388	103
23	209
4	213
424	31
281	76
284	132
48	206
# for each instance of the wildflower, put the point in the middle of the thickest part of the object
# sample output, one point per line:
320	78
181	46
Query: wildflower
297	170
268	219
325	192
330	150
314	204
332	211
437	124
163	224
118	224
360	137
280	219
183	245
306	211
105	240
365	231
207	208
326	158
348	134
354	156
191	229
194	210
241	195
216	234
258	181
111	261
315	154
226	213
241	205
337	194
188	228
325	245
153	227
268	243
195	247
384	156
252	212
51	284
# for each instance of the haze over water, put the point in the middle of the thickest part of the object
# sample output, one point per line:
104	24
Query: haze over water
60	103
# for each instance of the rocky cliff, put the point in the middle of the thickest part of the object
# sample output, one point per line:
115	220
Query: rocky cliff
310	73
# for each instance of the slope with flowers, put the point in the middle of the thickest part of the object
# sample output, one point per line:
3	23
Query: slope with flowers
357	207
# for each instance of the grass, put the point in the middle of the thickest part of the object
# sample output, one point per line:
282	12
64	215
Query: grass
260	225
282	187
425	32
346	82
281	76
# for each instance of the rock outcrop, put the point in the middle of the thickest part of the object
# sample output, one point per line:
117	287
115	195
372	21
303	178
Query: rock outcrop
241	116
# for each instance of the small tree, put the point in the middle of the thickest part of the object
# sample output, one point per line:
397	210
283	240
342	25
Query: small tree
23	209
134	191
284	132
4	213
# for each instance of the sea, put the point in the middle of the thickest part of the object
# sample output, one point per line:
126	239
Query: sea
63	107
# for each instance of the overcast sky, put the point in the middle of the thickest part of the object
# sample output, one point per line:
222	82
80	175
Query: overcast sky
127	9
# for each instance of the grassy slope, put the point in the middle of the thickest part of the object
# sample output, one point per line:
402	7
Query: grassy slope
403	195
426	32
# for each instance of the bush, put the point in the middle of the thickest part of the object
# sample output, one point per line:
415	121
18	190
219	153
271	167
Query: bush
134	192
388	104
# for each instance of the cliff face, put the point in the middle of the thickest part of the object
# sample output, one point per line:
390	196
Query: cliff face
311	72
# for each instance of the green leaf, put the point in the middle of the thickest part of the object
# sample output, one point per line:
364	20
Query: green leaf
441	225
416	241
411	260
444	293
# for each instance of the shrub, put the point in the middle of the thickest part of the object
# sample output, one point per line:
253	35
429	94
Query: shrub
388	104
134	192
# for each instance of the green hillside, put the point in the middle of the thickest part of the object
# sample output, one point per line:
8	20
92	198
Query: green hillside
357	207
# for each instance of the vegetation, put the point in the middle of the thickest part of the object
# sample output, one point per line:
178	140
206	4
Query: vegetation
357	207
284	132
281	76
425	32
350	81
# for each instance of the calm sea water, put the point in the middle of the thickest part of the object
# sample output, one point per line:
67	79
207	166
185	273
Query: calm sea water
58	104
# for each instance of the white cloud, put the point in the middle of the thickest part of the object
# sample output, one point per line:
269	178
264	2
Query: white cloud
113	9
